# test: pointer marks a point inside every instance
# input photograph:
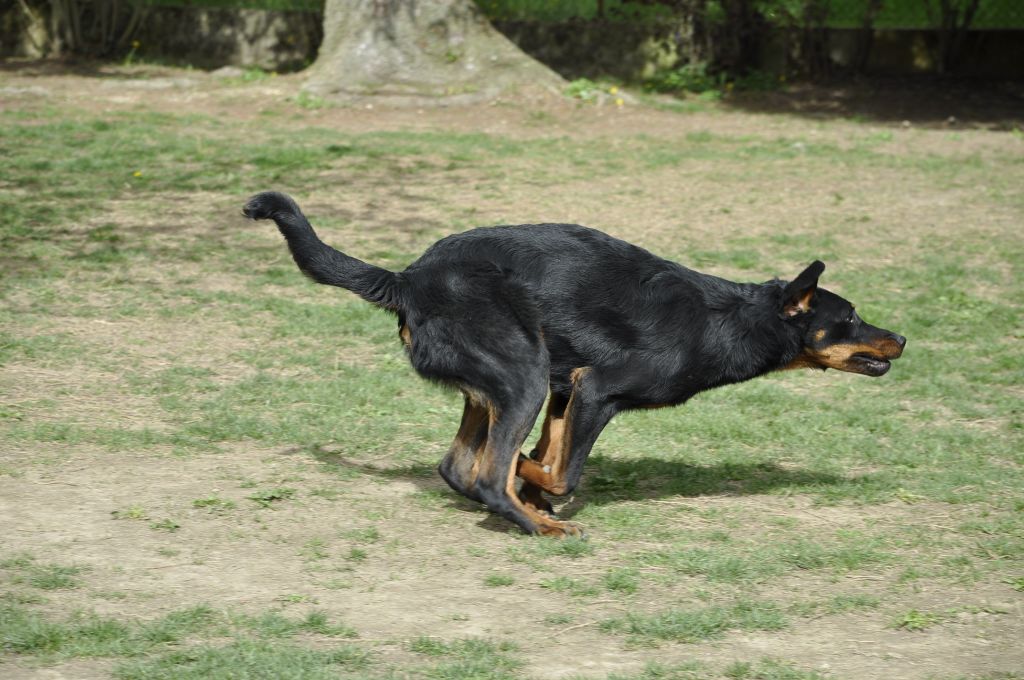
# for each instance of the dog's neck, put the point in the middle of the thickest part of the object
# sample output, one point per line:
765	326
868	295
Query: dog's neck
753	339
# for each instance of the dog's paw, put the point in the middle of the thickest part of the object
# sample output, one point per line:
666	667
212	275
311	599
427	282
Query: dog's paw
268	204
563	530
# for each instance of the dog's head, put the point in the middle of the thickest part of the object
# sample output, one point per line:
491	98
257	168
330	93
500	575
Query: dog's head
834	336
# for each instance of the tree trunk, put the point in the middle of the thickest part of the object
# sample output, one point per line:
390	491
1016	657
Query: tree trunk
814	38
951	19
961	23
866	36
95	28
734	42
418	52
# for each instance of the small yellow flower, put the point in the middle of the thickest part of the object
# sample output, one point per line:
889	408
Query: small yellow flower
137	173
782	78
613	90
135	44
729	86
619	101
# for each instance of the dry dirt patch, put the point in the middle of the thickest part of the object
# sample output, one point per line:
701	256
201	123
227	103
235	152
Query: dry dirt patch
250	559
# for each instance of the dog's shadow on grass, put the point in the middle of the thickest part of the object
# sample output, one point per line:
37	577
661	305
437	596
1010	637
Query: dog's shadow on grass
607	481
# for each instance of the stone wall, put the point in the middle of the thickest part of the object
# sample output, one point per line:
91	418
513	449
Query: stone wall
209	38
987	54
632	52
591	49
205	38
22	35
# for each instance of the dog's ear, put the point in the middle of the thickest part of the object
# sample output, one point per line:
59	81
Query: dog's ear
799	293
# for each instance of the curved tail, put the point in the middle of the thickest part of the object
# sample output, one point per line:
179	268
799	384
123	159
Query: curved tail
319	261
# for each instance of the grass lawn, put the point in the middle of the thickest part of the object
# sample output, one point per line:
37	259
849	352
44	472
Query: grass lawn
212	468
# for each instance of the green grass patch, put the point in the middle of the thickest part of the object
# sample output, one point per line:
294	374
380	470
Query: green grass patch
368	536
570	586
729	563
498	580
88	635
246	660
625	581
166	524
837	604
265	498
25	632
25	570
915	620
214	504
274	624
695	625
653	670
532	548
469	659
769	669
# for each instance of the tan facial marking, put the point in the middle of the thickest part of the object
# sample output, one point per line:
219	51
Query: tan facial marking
819	335
838	356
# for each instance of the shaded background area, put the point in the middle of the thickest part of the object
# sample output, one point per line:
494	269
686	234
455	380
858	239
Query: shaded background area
664	43
951	63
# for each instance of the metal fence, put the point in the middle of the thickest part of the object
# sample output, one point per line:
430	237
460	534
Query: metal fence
279	5
894	14
923	14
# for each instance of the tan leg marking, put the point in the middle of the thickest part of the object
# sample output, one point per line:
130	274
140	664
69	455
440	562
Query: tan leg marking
485	468
465	453
548	470
549	450
546	526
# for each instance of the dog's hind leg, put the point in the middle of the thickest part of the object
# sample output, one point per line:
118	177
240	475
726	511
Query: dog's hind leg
481	463
484	338
460	467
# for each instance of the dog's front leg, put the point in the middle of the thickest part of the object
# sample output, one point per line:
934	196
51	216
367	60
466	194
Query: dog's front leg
567	439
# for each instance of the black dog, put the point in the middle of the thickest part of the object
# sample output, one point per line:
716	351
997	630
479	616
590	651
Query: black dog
506	314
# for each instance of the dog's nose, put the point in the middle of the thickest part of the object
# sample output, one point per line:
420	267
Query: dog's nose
900	341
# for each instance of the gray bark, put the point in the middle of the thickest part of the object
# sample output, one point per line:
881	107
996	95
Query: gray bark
418	52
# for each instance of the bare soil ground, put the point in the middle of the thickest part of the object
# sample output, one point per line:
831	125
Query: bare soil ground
424	575
423	583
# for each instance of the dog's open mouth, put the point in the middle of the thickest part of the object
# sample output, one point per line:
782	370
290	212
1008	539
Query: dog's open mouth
869	365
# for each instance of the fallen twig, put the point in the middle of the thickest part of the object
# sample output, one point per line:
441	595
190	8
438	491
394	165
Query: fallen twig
578	625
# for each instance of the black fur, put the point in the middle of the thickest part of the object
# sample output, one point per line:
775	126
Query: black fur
508	313
319	261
